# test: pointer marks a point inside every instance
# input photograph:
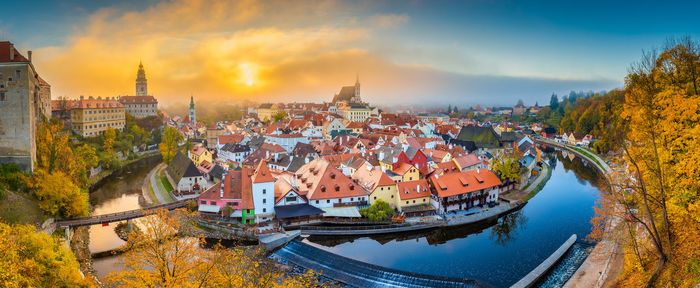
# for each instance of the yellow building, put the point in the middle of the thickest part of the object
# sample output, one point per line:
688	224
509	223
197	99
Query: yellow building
413	196
91	117
380	186
267	111
200	154
354	112
404	172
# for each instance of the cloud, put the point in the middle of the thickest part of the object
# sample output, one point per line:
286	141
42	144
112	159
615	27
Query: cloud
263	51
389	20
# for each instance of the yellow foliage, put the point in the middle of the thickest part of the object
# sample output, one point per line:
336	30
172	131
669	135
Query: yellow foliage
33	259
58	196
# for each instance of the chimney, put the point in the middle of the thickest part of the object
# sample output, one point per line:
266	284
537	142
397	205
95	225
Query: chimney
267	154
294	182
29	54
418	188
12	52
82	97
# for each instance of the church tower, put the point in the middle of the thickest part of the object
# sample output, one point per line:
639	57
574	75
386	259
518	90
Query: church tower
356	98
141	85
192	114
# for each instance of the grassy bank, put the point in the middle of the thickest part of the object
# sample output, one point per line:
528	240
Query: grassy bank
541	184
19	208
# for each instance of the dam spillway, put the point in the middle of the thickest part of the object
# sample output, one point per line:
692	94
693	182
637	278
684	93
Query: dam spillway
361	274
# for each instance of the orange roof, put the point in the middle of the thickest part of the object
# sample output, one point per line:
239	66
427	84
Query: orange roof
319	180
262	173
413	189
137	99
403	168
274	148
452	184
198	150
223	139
448	167
467	160
435	154
370	177
5	53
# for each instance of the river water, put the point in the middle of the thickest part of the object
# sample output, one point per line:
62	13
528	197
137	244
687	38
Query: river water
499	252
119	192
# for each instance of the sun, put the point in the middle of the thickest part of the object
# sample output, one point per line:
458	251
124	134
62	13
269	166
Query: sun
247	73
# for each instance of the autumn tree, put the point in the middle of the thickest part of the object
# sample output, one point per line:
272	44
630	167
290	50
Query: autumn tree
659	138
159	257
34	259
507	167
168	145
58	196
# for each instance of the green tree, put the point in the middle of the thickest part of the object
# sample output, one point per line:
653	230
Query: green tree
168	145
554	102
279	116
379	211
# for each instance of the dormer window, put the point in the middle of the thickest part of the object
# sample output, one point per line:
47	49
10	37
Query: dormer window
332	175
337	188
323	188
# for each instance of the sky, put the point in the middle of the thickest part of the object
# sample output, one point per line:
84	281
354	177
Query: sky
405	52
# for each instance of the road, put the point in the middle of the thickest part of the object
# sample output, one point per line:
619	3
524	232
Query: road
158	189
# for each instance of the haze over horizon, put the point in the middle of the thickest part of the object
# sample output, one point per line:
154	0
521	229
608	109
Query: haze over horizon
479	52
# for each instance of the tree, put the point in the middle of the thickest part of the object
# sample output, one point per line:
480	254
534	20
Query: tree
187	147
34	259
58	196
379	211
659	130
168	145
554	102
279	116
507	168
158	257
52	145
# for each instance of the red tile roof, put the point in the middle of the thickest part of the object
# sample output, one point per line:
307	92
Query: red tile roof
403	168
370	177
467	160
262	173
5	53
137	99
452	184
319	180
413	189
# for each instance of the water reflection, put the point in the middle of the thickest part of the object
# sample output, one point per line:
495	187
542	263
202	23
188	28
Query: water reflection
506	228
498	251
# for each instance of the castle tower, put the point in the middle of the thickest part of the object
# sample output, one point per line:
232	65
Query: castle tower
192	113
356	98
141	85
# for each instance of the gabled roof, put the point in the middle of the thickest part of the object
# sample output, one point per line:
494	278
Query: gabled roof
452	184
5	53
467	160
413	189
403	168
319	180
483	137
181	167
262	173
370	177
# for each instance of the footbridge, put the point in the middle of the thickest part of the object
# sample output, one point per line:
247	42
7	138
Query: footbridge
116	217
361	274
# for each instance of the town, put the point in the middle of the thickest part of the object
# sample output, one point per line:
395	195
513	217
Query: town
276	144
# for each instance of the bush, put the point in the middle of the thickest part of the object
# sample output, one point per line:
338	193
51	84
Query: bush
191	206
11	177
379	211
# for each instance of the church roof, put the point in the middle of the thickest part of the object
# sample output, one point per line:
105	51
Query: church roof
346	94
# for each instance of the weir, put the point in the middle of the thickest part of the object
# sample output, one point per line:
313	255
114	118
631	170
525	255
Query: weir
361	274
539	271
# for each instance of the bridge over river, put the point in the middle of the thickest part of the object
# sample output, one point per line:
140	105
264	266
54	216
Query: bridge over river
116	217
361	274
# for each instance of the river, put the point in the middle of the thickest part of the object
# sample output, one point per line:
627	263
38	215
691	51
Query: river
119	192
499	252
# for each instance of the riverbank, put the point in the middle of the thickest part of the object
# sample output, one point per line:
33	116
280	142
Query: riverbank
604	263
96	182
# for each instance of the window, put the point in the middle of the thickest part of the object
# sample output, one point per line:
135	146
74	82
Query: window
212	202
2	96
204	202
316	201
375	197
293	199
18	74
264	210
264	193
264	201
328	201
392	196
